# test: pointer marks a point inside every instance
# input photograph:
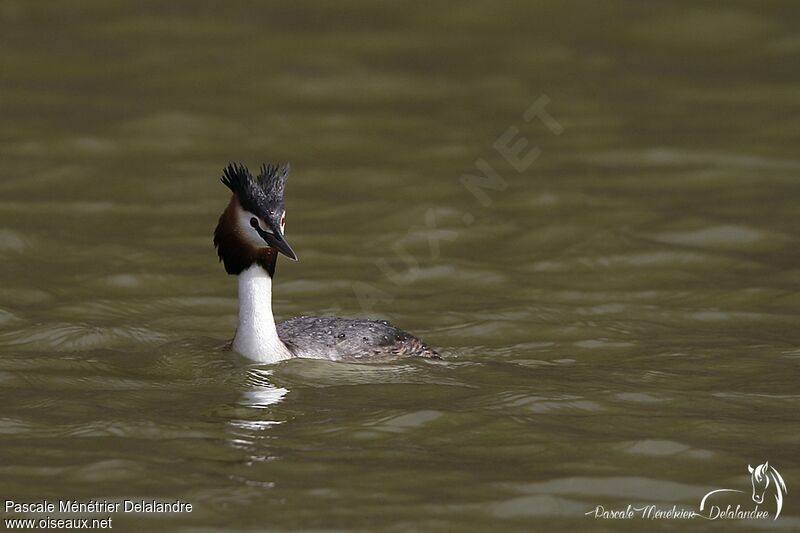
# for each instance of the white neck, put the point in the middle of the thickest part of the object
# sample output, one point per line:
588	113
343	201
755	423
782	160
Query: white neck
256	338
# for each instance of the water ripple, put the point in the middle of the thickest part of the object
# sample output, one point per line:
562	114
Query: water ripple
74	337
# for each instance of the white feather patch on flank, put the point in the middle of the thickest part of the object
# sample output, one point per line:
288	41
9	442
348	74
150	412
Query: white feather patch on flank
256	337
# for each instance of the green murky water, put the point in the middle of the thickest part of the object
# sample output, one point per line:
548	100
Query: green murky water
618	305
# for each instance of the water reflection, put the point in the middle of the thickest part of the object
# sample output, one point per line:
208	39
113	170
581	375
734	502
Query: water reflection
260	395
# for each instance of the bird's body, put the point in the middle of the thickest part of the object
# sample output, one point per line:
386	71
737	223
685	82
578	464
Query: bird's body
248	237
327	337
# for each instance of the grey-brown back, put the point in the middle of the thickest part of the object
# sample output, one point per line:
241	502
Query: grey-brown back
325	337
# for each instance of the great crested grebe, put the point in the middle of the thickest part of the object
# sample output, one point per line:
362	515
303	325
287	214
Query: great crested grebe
248	237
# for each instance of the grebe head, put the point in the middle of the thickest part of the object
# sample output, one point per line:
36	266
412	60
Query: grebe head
251	229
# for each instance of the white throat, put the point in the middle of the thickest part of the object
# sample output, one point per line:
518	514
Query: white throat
256	337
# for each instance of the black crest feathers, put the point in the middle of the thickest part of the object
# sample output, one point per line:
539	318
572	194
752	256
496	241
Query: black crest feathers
236	177
272	179
262	194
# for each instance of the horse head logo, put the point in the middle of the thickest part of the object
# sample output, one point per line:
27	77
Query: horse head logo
764	478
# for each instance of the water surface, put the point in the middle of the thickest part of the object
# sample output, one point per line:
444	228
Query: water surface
618	313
